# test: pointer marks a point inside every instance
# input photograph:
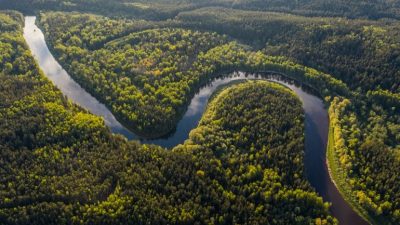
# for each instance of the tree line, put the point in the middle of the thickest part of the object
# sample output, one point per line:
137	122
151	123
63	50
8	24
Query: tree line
168	9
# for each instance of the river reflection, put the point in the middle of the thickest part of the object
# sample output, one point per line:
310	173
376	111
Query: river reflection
53	70
199	102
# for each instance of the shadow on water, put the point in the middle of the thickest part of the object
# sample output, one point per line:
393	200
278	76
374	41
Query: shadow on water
316	118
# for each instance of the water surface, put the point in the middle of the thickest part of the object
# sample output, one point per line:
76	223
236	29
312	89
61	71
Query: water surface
316	118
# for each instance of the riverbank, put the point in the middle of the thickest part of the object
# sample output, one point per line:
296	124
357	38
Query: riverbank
314	108
338	176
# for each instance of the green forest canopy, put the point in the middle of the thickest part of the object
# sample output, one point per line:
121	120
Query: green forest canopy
164	9
61	165
359	60
372	101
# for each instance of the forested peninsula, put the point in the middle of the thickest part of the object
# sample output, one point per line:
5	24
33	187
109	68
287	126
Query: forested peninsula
244	163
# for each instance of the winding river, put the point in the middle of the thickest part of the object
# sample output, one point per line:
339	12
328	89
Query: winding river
316	118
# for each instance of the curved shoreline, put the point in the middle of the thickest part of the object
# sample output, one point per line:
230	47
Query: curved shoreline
338	177
316	119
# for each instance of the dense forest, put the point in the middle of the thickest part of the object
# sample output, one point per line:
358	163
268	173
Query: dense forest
142	76
146	59
373	97
164	9
364	54
148	76
61	165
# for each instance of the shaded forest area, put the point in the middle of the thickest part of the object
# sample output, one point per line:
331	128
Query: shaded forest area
167	9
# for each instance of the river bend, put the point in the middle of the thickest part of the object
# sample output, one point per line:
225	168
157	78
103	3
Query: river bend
316	118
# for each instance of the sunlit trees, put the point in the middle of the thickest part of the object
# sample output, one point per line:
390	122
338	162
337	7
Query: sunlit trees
61	165
148	77
147	71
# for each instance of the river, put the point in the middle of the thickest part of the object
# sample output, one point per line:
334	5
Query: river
316	118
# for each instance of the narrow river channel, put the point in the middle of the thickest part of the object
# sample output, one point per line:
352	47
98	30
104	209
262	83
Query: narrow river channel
316	118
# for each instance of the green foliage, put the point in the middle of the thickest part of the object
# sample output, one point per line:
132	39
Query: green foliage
154	10
163	9
369	166
163	78
141	76
249	142
61	165
92	31
364	54
146	72
260	151
148	77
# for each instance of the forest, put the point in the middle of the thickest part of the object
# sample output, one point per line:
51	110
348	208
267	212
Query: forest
148	76
167	9
145	60
357	52
61	165
373	96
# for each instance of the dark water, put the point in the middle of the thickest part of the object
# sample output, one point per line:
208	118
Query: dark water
316	118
